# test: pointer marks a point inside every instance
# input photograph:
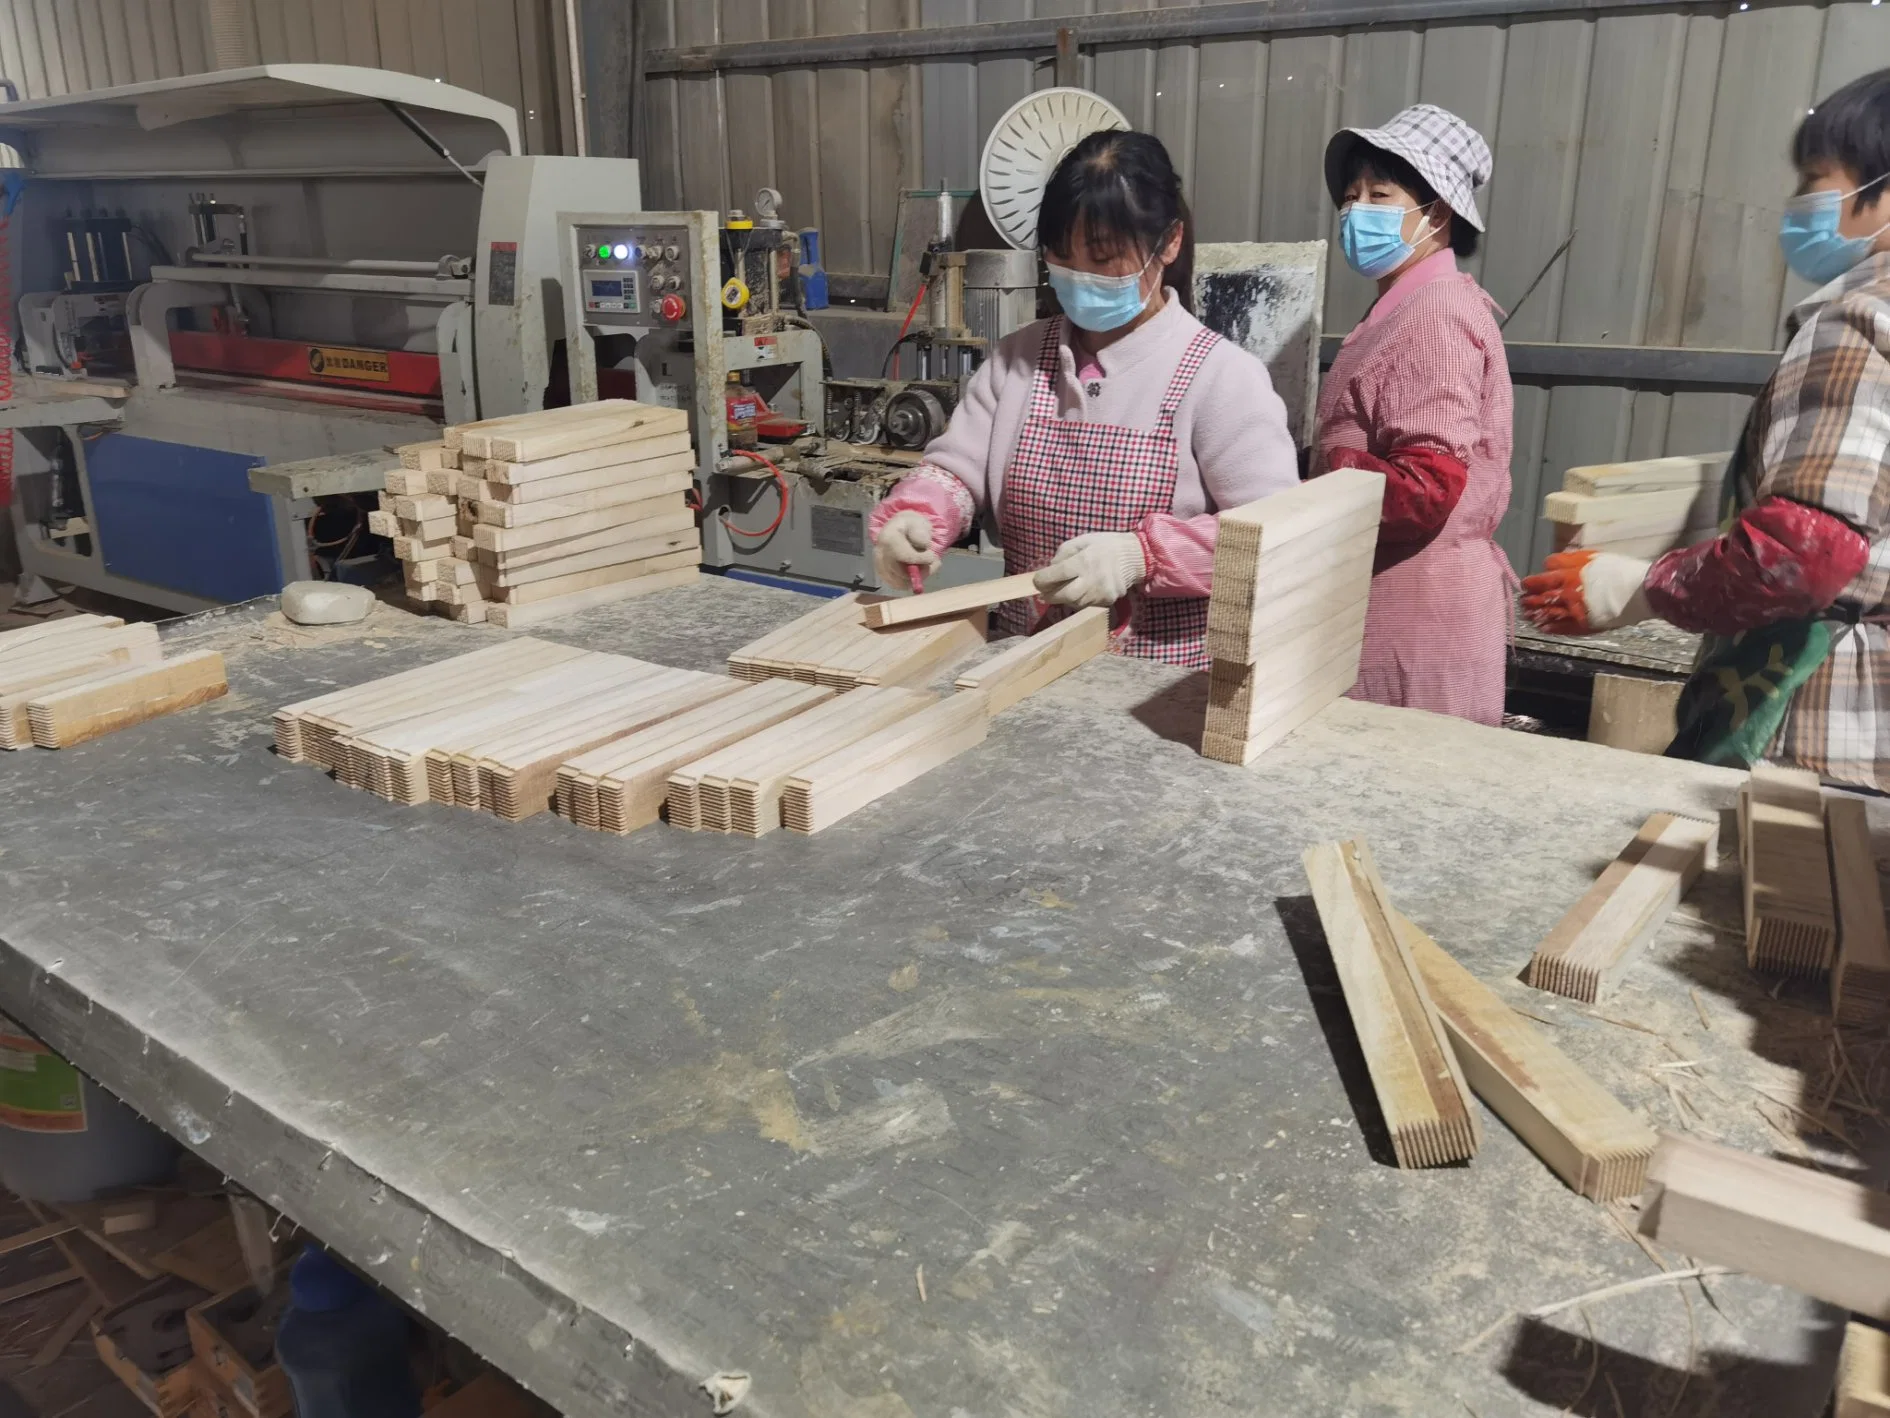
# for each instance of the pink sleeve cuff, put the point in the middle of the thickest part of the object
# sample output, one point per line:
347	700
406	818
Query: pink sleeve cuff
1179	554
935	493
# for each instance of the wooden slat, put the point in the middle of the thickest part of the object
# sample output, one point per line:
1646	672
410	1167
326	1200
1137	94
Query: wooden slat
1040	659
507	515
1860	975
101	706
1646	475
1604	933
935	605
1863	1383
653	476
608	455
1414	1072
556	586
1568	1120
1817	1234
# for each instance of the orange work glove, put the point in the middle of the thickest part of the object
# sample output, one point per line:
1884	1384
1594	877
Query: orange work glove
1581	592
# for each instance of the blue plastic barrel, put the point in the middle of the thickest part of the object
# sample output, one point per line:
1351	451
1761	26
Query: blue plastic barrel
344	1345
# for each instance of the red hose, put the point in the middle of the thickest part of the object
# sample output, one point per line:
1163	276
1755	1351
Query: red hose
779	517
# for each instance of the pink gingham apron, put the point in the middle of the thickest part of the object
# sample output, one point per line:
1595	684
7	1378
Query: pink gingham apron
1068	478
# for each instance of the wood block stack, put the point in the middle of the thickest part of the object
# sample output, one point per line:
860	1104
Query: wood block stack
83	676
1603	934
1292	574
422	515
1791	920
1638	509
833	646
825	791
576	507
1414	1072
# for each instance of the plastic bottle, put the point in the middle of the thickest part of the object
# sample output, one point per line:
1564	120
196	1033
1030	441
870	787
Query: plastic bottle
744	409
344	1345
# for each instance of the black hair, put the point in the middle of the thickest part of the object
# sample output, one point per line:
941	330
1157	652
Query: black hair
1389	167
1850	129
1123	189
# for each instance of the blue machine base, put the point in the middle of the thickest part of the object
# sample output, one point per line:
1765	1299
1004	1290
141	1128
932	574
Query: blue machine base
182	517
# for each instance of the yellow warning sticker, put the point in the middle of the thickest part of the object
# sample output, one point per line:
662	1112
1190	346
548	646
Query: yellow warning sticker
339	362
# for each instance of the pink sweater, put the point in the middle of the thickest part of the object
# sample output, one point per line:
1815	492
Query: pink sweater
1231	431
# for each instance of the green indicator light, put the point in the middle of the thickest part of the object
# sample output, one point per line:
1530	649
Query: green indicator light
603	253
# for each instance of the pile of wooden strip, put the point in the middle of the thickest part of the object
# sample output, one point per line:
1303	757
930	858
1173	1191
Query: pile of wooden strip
623	786
1638	509
842	782
421	514
576	507
738	788
489	730
1784	857
833	646
83	676
1292	574
1603	934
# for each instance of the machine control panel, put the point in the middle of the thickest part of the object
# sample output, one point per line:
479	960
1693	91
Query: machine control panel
635	274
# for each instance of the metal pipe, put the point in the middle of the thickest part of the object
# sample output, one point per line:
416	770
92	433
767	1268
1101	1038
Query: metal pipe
339	282
1243	19
578	123
315	263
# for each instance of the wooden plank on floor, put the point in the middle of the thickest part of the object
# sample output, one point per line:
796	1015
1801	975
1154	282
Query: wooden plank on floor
1604	933
1571	1122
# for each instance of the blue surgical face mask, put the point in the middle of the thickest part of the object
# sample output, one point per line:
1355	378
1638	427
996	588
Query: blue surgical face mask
1098	303
1814	247
1372	238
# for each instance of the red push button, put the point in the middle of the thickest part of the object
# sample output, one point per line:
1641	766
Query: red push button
672	307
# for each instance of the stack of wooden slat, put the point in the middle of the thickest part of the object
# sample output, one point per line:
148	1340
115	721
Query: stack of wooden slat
1638	509
1791	918
622	786
833	646
738	788
74	679
842	782
575	507
488	730
422	515
1292	574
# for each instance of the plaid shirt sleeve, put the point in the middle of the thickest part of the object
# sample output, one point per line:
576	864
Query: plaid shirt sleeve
1823	436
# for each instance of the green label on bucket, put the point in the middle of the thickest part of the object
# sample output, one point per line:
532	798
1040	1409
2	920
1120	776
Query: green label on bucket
39	1091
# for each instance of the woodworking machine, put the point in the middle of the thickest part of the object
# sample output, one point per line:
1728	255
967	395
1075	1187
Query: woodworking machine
293	264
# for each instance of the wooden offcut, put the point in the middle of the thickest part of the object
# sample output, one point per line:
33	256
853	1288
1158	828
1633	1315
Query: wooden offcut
1791	918
1863	1380
1860	972
1603	934
1568	1120
843	782
1414	1072
1814	1233
933	605
1647	475
1039	659
69	716
1286	620
1636	714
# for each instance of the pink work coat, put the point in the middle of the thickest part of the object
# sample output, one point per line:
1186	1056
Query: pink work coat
1425	368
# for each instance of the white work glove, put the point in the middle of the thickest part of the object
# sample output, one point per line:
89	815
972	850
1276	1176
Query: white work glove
1096	569
1580	591
905	540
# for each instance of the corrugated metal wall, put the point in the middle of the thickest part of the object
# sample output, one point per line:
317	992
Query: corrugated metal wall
1658	138
510	50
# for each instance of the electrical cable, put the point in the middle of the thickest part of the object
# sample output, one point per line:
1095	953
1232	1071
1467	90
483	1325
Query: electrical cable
779	517
418	129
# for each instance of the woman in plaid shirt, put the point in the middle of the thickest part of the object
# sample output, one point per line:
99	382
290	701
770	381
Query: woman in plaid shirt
1794	598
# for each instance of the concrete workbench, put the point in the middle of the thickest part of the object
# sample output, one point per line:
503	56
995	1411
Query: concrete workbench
1028	1091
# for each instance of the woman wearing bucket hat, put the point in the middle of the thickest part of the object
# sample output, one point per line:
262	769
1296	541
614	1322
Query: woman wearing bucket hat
1420	392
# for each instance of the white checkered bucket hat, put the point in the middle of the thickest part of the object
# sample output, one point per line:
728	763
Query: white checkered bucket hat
1447	152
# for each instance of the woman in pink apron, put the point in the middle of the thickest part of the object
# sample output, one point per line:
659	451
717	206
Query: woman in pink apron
1420	392
1104	441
